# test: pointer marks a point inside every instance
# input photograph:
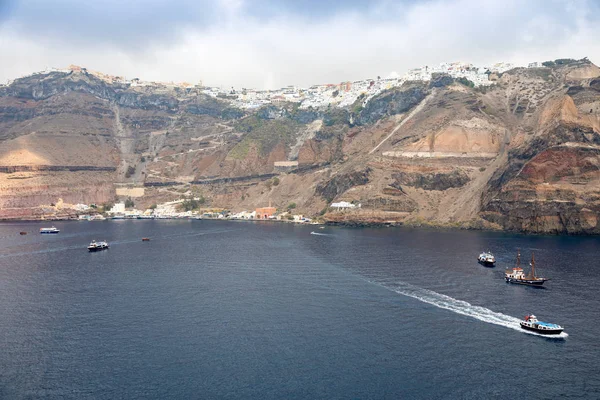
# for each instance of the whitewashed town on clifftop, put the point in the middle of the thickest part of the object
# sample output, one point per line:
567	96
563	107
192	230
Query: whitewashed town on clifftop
317	96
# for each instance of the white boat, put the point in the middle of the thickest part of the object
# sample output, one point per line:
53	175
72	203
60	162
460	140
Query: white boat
531	323
49	230
97	246
486	258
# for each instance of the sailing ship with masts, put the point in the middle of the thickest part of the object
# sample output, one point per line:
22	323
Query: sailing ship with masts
517	275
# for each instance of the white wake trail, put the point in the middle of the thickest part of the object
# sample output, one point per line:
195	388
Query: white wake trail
461	307
320	234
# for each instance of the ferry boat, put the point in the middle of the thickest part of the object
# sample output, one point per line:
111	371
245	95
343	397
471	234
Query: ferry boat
486	258
97	246
531	323
518	275
47	231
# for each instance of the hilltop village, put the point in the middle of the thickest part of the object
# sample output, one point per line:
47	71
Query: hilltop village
340	95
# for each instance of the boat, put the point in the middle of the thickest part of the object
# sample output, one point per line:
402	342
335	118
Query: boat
518	275
486	258
145	239
47	231
97	246
22	233
531	323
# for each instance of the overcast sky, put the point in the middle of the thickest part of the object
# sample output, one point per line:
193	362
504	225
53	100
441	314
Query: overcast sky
269	43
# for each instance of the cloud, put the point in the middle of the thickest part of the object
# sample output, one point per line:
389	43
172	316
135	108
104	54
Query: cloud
263	43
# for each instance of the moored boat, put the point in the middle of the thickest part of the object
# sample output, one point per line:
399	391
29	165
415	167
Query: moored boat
47	231
97	246
22	233
518	275
486	258
145	239
531	323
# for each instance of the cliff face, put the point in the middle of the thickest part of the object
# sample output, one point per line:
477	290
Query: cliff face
551	183
521	155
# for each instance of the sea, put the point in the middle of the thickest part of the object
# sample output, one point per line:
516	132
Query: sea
250	310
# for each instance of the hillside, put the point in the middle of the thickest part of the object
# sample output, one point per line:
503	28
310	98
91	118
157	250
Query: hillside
522	154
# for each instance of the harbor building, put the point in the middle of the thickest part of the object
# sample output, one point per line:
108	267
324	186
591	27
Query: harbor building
265	212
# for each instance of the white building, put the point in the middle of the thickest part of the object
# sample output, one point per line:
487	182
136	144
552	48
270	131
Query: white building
344	205
81	207
118	208
243	215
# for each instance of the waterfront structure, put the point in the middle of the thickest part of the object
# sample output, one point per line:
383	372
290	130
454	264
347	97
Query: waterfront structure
118	208
265	212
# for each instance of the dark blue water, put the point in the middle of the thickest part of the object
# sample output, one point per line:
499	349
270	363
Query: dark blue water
269	311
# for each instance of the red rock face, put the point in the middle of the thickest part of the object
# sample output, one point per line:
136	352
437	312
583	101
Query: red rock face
558	191
314	152
559	163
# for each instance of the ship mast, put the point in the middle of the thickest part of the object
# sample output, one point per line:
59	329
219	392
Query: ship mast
518	258
532	265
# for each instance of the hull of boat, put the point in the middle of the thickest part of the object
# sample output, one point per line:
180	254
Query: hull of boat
48	233
543	331
525	282
487	263
92	249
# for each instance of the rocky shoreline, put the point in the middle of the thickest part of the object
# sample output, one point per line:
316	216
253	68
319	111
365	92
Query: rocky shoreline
353	223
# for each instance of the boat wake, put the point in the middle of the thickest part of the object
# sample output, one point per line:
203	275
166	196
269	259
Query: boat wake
320	234
461	307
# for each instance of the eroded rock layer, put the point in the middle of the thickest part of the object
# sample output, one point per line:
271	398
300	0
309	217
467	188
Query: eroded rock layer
523	154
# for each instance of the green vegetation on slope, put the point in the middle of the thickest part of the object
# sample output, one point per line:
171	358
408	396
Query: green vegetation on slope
264	134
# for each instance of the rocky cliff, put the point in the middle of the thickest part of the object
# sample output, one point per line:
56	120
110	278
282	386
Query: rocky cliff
523	154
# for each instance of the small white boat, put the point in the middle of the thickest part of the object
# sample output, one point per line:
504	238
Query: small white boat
47	231
531	323
97	246
486	258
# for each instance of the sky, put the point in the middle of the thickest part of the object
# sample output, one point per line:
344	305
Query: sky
267	44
